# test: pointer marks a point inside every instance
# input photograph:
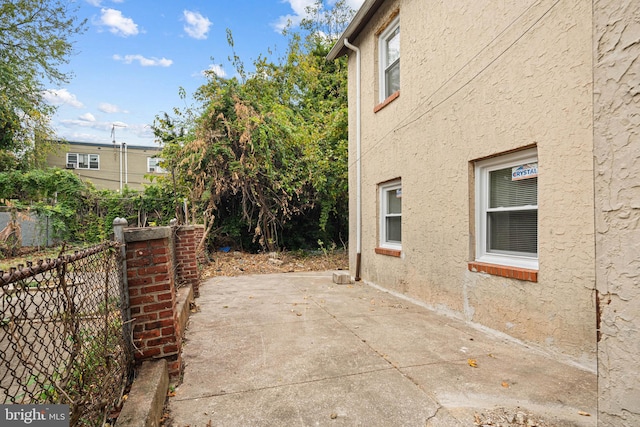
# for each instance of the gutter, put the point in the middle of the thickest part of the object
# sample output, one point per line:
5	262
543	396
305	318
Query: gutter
358	162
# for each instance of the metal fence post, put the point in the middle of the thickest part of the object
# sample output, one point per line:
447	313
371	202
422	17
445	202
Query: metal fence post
119	224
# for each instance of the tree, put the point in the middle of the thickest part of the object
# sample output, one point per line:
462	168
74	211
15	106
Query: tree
35	41
268	152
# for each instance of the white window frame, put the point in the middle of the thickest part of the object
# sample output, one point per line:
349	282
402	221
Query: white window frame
156	166
482	170
384	190
91	158
382	49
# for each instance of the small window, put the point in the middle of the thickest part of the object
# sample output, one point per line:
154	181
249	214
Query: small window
390	60
391	215
507	210
94	161
153	165
83	161
72	160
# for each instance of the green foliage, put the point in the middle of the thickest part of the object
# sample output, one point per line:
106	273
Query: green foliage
265	157
78	212
35	41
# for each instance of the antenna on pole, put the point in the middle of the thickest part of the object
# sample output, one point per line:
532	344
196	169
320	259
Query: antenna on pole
113	130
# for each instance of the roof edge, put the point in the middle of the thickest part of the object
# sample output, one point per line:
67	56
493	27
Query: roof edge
359	21
106	145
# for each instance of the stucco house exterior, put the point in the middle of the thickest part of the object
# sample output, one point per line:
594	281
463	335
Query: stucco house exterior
494	171
109	166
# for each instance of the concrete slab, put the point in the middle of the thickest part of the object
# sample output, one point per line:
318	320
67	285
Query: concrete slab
298	349
362	399
146	399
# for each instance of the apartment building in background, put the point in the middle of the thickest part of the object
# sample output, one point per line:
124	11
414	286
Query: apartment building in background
109	166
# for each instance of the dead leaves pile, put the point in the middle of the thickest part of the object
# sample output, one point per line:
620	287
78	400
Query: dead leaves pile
503	417
242	263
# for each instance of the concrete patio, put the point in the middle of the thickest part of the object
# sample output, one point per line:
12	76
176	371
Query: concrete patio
297	349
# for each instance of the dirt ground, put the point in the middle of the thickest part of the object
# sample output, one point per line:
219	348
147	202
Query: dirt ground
239	263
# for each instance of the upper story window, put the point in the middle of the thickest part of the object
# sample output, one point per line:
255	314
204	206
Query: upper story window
389	49
391	215
507	210
83	161
153	165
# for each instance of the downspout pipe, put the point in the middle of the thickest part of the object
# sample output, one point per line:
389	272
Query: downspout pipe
358	162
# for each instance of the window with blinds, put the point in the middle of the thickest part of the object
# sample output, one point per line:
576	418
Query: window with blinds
507	210
512	214
83	161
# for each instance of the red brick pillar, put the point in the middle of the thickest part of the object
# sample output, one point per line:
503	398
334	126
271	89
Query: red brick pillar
187	238
152	295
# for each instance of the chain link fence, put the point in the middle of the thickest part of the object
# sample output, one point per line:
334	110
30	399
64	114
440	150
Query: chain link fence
64	333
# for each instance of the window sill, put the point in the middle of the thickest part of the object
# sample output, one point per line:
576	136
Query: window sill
389	252
504	271
389	100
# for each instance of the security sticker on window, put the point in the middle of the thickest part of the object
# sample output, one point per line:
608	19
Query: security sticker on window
530	170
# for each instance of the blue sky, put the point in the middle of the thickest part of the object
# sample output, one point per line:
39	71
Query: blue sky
135	55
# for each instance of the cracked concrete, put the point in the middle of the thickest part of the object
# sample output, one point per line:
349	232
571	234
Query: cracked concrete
296	349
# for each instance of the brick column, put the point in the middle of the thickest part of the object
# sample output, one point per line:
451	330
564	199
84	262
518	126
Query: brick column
152	295
187	238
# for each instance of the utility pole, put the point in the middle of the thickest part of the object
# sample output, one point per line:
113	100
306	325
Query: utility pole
123	154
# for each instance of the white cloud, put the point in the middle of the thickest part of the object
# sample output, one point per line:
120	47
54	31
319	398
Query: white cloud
353	4
299	12
95	3
117	23
143	61
82	123
87	117
299	8
59	97
105	107
215	69
197	26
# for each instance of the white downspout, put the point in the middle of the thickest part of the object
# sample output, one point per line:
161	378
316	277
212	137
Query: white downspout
358	163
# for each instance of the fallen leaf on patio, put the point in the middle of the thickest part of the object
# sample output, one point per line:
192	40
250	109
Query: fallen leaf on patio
473	363
477	420
584	414
505	384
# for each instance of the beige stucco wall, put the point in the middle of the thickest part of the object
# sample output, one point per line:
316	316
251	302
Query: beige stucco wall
109	175
617	196
479	79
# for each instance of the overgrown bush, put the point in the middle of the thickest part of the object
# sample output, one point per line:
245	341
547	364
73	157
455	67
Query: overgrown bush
77	211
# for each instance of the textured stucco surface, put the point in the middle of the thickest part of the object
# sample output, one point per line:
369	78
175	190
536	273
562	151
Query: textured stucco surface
480	79
617	197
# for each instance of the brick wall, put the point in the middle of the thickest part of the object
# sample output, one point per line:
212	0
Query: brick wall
158	258
152	295
186	240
